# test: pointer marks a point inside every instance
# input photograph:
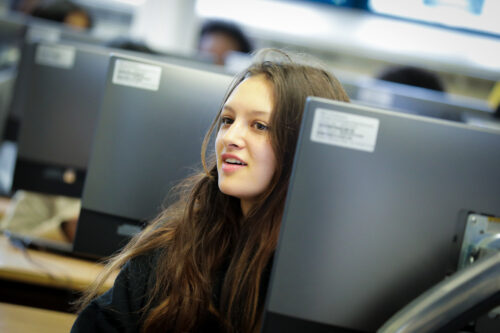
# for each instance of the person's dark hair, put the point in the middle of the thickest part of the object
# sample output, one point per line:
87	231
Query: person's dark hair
206	231
58	10
129	44
230	29
413	76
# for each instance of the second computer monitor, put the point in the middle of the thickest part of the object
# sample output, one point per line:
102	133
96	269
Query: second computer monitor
59	112
153	120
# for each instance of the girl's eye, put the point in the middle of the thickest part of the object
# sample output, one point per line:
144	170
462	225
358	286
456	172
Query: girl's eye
261	127
226	121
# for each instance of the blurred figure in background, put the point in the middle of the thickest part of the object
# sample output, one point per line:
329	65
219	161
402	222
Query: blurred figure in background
412	76
219	38
64	11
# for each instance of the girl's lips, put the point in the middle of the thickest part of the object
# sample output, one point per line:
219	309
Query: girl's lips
228	167
231	163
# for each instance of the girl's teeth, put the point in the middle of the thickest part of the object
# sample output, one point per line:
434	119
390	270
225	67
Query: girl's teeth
233	161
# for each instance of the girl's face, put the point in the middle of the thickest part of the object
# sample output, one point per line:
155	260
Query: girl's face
245	158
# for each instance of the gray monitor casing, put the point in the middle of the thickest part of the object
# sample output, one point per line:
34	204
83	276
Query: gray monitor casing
146	141
365	232
59	113
62	107
24	30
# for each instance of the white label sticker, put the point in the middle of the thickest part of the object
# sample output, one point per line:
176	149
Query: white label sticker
138	75
44	34
55	56
344	130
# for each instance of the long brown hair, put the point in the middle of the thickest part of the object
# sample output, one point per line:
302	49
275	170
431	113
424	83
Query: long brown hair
205	232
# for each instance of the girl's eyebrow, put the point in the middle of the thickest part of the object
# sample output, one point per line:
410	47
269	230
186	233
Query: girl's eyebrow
227	107
253	112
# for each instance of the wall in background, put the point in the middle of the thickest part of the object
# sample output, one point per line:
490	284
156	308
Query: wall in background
166	25
363	43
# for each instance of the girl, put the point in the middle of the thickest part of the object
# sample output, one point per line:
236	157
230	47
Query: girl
203	265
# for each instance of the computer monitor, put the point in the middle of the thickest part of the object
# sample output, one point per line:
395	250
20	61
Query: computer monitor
416	100
152	122
374	214
25	30
63	90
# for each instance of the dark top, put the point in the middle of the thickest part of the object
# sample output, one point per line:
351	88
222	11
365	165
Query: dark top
119	309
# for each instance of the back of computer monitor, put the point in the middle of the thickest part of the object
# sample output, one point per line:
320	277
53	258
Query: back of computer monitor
25	30
374	215
153	120
62	98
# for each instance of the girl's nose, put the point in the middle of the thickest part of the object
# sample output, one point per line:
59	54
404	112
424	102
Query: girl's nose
235	135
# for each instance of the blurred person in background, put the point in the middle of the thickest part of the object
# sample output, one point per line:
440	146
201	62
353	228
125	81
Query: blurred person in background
219	38
64	11
412	76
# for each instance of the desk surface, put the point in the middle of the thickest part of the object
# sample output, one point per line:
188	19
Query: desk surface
22	319
47	269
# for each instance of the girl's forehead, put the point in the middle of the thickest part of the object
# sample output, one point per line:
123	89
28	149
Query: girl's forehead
255	88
